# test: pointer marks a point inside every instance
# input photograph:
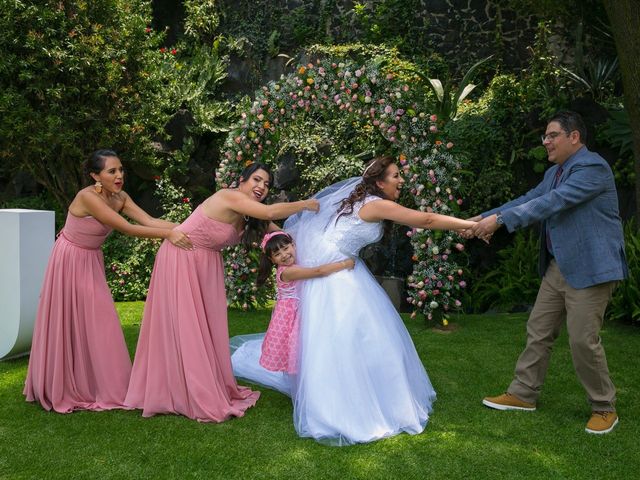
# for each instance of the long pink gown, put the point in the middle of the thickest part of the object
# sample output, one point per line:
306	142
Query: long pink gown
79	359
183	364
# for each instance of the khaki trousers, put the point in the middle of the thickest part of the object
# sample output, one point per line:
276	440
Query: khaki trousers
584	309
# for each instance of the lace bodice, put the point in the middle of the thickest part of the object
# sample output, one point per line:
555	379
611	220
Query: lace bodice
351	233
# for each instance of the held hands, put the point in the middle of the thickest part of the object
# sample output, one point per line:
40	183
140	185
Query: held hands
180	239
468	233
485	227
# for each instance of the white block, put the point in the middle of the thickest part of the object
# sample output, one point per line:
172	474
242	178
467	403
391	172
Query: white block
26	240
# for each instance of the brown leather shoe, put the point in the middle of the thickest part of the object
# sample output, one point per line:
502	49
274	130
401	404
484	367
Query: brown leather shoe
601	422
507	401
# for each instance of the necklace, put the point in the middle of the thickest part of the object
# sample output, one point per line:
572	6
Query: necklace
246	218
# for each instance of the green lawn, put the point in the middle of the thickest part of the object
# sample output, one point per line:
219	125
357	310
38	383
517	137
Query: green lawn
462	440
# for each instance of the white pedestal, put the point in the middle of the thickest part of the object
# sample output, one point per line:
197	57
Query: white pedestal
26	240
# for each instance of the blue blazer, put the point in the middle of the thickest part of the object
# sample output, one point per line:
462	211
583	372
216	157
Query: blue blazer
582	216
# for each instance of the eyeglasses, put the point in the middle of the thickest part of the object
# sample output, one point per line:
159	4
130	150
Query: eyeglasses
551	136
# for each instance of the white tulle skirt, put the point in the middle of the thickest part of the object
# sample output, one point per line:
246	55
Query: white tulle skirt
360	378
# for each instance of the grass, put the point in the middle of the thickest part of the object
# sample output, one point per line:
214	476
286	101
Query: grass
462	440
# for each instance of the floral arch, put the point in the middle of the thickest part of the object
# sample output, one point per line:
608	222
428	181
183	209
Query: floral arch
374	97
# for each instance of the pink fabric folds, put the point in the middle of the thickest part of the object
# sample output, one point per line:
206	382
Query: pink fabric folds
79	359
182	363
280	345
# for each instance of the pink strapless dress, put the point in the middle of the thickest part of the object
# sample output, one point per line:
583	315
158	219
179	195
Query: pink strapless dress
183	364
79	359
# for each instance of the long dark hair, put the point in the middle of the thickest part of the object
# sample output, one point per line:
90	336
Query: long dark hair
95	163
254	228
274	244
375	170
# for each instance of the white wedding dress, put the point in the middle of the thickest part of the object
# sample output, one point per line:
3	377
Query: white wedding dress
359	378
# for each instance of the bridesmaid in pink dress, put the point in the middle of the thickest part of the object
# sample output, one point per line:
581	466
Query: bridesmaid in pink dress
79	360
182	363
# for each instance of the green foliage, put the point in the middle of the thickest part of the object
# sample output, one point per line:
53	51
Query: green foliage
625	304
202	19
543	83
598	78
76	76
513	280
488	134
616	132
129	260
447	97
395	23
538	155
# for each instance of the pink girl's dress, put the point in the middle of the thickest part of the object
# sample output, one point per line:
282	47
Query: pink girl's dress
280	344
79	359
182	363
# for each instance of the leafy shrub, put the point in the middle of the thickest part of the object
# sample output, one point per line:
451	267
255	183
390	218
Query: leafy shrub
616	132
514	280
77	76
625	304
487	134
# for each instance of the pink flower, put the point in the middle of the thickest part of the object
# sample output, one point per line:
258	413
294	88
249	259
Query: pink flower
462	284
433	118
459	247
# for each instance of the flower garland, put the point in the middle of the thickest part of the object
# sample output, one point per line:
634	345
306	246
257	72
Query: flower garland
369	95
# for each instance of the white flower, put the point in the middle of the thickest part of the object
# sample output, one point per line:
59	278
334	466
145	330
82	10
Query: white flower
433	305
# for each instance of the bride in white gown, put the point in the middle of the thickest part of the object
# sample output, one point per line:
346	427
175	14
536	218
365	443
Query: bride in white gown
359	376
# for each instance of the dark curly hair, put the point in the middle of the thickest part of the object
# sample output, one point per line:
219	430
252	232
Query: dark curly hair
274	244
255	228
375	170
95	163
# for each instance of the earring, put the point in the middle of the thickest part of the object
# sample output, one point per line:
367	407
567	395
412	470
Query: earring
98	186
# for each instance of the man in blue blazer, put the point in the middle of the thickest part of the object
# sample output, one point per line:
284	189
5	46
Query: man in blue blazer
581	261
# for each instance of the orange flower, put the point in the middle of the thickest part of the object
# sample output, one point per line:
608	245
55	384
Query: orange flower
301	70
414	258
266	125
248	162
438	142
402	157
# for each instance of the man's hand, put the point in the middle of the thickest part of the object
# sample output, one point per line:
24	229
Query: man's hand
468	233
485	228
